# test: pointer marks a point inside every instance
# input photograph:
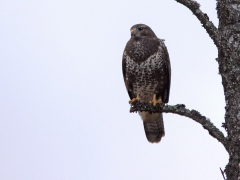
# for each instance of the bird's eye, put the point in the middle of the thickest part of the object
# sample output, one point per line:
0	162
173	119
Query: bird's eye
140	29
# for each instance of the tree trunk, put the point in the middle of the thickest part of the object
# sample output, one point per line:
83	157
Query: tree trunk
229	68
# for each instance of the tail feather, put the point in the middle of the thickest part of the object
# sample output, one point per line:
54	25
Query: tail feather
154	128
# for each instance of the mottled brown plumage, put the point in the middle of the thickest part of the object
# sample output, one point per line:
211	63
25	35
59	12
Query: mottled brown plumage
147	75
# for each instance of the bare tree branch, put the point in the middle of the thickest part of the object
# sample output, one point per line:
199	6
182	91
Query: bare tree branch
180	109
203	18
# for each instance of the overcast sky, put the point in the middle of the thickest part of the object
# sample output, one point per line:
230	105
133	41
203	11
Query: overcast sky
64	112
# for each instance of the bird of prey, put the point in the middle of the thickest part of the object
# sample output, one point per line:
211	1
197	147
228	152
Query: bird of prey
147	76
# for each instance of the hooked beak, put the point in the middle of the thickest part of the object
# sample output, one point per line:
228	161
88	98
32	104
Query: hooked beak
133	32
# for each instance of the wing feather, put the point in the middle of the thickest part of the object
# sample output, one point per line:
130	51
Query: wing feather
127	82
167	72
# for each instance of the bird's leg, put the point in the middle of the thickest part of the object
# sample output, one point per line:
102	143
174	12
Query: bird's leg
135	99
155	101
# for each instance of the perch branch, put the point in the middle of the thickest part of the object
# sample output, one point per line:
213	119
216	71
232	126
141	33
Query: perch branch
180	109
203	18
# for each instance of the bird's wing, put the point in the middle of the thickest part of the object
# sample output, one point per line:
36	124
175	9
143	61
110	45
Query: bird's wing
127	82
167	68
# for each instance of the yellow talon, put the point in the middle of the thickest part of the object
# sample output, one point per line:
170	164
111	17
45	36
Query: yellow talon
155	101
135	99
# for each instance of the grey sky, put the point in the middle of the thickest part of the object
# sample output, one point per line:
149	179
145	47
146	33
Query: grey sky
63	104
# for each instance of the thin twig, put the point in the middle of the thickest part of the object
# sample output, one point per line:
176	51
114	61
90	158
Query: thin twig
222	173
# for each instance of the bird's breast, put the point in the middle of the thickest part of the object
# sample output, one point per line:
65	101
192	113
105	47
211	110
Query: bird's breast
145	74
149	65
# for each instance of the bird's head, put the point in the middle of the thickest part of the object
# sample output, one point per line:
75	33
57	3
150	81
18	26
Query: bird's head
141	30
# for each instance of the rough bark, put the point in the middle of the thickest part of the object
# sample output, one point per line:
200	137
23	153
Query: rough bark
227	39
229	68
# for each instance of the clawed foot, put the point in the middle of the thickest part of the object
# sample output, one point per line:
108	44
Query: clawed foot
135	99
155	101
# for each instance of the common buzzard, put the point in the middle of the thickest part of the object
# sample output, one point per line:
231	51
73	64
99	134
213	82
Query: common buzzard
147	76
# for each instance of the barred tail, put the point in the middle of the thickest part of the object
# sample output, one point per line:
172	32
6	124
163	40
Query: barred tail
154	127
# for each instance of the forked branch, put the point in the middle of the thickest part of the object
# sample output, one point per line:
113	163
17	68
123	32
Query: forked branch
180	109
203	18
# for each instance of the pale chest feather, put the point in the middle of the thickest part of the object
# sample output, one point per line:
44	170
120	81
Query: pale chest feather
145	68
149	66
147	74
